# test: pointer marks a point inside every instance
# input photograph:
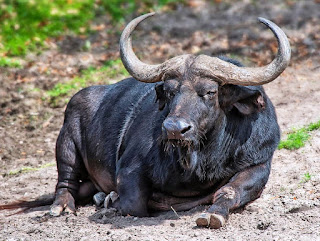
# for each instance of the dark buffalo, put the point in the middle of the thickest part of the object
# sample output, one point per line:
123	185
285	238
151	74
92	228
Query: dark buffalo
192	130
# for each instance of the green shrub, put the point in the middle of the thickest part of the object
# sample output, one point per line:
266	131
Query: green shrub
298	138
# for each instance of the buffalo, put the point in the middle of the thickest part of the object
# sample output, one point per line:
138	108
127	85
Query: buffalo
194	130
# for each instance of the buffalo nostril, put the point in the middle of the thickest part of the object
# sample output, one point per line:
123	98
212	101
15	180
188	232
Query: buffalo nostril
183	126
186	129
176	128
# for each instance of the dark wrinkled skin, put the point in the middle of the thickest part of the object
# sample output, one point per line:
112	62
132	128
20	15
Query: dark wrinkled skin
116	137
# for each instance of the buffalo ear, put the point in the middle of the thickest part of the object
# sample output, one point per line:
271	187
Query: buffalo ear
161	96
246	99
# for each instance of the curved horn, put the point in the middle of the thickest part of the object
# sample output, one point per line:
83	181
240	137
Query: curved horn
139	70
228	73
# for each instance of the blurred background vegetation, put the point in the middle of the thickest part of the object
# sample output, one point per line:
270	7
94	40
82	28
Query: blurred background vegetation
26	24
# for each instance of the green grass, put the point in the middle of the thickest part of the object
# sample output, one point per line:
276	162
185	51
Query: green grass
109	73
9	62
314	126
29	169
297	138
26	25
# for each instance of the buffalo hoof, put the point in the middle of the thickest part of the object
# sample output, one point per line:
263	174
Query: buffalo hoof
211	220
110	199
56	210
99	198
64	202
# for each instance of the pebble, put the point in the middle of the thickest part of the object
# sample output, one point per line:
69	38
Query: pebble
263	225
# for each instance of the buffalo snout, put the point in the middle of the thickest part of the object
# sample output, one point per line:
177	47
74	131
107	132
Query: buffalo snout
176	128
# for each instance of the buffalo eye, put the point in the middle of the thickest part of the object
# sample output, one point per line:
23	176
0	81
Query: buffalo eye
171	87
209	94
170	94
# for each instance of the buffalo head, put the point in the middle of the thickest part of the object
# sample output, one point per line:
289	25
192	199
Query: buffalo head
199	90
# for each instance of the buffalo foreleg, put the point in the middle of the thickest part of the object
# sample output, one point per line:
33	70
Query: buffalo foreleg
73	184
133	190
242	188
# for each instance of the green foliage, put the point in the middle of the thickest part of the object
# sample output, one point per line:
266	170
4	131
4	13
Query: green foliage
306	177
114	68
9	62
313	126
295	140
106	74
298	138
118	9
25	25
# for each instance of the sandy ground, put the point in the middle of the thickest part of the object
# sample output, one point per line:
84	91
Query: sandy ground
289	208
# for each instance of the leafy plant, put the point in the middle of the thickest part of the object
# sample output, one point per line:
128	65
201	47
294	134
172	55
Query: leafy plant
306	177
298	138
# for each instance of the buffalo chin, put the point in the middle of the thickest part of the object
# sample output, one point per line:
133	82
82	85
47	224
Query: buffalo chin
188	161
187	152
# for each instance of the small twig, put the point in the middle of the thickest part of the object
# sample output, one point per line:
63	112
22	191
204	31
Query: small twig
175	212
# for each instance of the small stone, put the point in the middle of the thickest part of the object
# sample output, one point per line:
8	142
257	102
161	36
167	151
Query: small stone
172	225
263	225
254	209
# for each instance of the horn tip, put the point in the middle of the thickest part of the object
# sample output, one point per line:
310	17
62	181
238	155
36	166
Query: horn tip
148	15
261	19
264	20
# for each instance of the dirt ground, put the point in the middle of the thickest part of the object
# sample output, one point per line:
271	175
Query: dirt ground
289	208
